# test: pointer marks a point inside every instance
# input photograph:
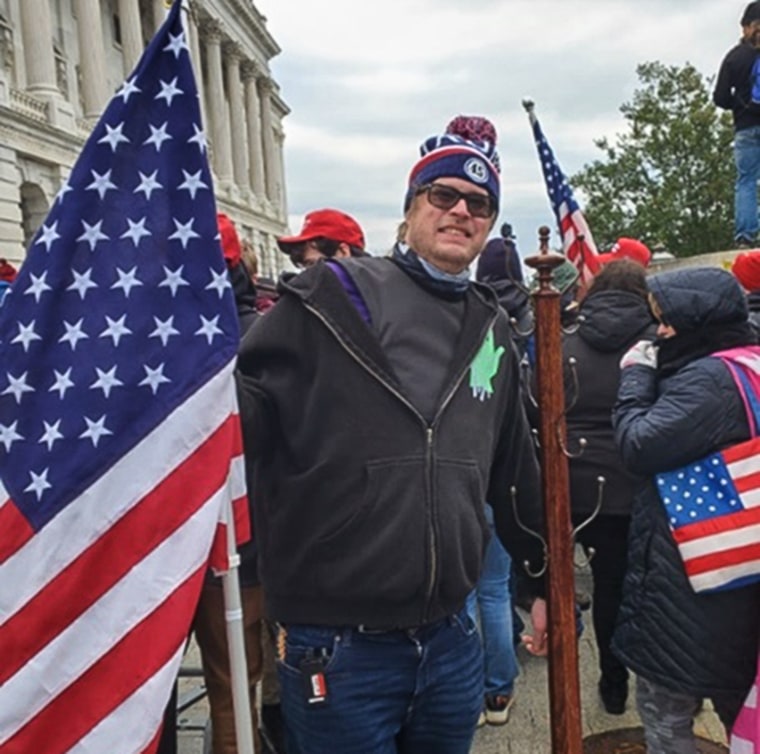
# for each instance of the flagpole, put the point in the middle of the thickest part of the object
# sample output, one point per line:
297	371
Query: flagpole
564	685
233	616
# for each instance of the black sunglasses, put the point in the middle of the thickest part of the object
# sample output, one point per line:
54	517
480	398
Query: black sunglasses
446	197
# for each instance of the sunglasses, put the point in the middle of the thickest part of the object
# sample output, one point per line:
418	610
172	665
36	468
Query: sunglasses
446	197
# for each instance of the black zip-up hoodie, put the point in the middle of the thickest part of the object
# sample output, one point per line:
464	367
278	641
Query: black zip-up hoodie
365	513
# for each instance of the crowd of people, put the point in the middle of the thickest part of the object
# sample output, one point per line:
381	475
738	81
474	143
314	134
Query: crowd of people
385	403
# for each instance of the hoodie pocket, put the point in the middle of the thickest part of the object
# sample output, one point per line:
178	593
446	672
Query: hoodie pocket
379	550
461	527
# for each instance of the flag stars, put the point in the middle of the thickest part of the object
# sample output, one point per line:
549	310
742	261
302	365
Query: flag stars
192	183
26	335
9	435
148	184
219	282
62	191
106	381
199	138
176	44
92	234
17	386
173	279
209	328
184	232
154	377
62	381
74	334
136	231
51	434
37	287
82	283
169	90
164	329
116	329
128	88
101	183
38	484
48	235
95	430
114	137
127	280
158	136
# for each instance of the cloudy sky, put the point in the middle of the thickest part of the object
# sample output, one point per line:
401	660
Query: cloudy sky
368	80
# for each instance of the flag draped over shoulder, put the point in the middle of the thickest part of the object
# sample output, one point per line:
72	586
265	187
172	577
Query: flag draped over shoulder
577	241
120	448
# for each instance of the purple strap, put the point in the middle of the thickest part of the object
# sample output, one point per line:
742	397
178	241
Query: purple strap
351	290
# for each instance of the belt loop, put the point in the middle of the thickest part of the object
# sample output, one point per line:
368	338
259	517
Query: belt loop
346	635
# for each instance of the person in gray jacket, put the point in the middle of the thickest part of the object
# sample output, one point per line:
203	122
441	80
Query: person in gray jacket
675	406
381	408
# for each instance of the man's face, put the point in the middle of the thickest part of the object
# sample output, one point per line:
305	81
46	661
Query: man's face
447	238
752	33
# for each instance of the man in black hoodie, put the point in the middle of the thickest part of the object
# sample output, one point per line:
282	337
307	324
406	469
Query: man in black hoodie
381	408
738	89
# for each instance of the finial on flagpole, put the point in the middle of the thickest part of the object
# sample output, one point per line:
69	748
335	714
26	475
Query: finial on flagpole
528	104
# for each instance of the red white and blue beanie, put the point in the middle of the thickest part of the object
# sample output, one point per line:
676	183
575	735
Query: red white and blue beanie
467	150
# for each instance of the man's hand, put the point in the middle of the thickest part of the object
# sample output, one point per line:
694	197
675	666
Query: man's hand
644	353
536	643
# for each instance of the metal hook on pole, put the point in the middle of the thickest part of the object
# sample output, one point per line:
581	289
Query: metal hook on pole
583	563
526	563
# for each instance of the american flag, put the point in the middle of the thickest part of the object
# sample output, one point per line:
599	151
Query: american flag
120	447
713	504
577	241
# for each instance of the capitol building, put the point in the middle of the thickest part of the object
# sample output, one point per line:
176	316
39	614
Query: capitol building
62	60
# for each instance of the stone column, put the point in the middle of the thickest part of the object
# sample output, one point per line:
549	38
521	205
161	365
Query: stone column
191	24
217	110
281	174
270	156
159	13
131	33
253	116
237	117
11	232
39	58
92	56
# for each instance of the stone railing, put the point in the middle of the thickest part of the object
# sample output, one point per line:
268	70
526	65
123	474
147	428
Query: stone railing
29	105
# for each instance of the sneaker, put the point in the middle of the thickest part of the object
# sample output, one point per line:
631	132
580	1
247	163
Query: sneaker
498	707
744	243
482	719
614	696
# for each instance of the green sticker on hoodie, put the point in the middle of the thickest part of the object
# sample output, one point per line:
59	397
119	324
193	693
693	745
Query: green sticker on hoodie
485	367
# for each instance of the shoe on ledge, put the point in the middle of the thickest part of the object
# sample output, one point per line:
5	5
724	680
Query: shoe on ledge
498	707
614	696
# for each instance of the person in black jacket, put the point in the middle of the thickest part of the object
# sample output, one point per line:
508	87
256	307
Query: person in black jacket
675	406
381	409
613	315
737	89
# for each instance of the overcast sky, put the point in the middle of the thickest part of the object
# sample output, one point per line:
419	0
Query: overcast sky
368	80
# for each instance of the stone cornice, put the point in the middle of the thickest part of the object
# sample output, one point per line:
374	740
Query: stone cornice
247	19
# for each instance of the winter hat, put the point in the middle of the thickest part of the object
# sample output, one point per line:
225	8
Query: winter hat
564	277
628	248
751	13
746	269
229	239
467	150
7	271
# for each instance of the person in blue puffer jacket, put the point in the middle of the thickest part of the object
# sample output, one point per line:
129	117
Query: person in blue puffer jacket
674	407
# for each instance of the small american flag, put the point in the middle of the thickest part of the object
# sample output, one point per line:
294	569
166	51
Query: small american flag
581	252
120	447
713	504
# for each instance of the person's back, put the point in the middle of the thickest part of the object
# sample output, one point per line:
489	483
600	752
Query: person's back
676	405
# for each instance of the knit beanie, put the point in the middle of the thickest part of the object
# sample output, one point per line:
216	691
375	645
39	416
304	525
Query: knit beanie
466	150
746	269
751	13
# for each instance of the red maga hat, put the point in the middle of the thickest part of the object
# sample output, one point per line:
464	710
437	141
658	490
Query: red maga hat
326	223
746	269
628	248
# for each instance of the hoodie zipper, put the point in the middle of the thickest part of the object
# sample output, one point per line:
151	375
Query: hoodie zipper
429	430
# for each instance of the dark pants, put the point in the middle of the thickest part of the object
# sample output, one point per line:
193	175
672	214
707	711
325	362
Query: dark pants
608	535
417	691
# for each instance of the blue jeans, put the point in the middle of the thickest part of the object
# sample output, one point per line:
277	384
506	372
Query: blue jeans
747	157
491	599
415	691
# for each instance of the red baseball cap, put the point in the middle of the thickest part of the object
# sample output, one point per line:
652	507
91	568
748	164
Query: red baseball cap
229	239
326	223
628	248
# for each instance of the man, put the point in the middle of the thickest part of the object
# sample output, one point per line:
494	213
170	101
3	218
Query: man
734	91
326	234
381	408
